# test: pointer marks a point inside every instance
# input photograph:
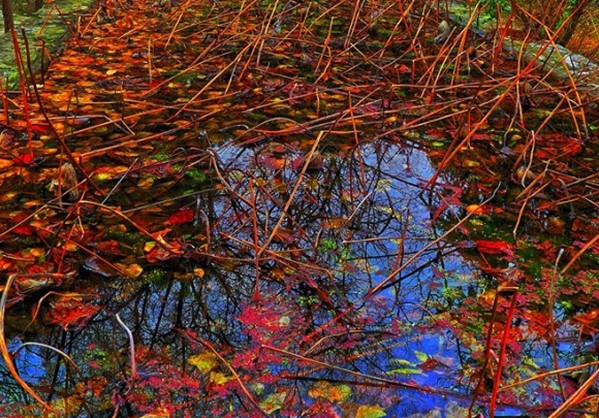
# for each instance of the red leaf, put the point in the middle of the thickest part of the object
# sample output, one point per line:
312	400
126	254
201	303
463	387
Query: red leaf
159	253
493	247
40	128
272	161
429	364
110	247
24	230
181	217
402	69
155	83
24	159
70	313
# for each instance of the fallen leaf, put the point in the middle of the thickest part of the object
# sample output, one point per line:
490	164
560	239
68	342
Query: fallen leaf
368	411
181	217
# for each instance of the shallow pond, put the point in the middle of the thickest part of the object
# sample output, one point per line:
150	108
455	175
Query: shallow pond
214	218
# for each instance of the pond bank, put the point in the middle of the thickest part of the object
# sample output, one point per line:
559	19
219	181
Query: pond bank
45	29
554	61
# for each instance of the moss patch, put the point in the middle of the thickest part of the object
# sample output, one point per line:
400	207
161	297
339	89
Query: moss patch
46	27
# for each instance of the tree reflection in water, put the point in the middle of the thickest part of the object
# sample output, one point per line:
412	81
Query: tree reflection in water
274	277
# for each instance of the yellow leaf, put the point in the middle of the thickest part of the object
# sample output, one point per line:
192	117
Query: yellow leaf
370	411
158	413
421	356
219	378
475	209
145	183
132	270
205	362
111	72
70	246
109	173
8	196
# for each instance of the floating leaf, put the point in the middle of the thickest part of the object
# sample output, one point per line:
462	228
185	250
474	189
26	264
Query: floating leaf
181	217
477	209
158	253
130	270
108	173
41	128
70	313
205	362
370	411
471	163
330	392
145	183
404	371
5	163
273	402
158	413
29	284
219	378
493	247
24	159
421	356
95	265
24	230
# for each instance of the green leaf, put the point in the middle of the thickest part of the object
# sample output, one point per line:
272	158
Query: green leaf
404	371
421	356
